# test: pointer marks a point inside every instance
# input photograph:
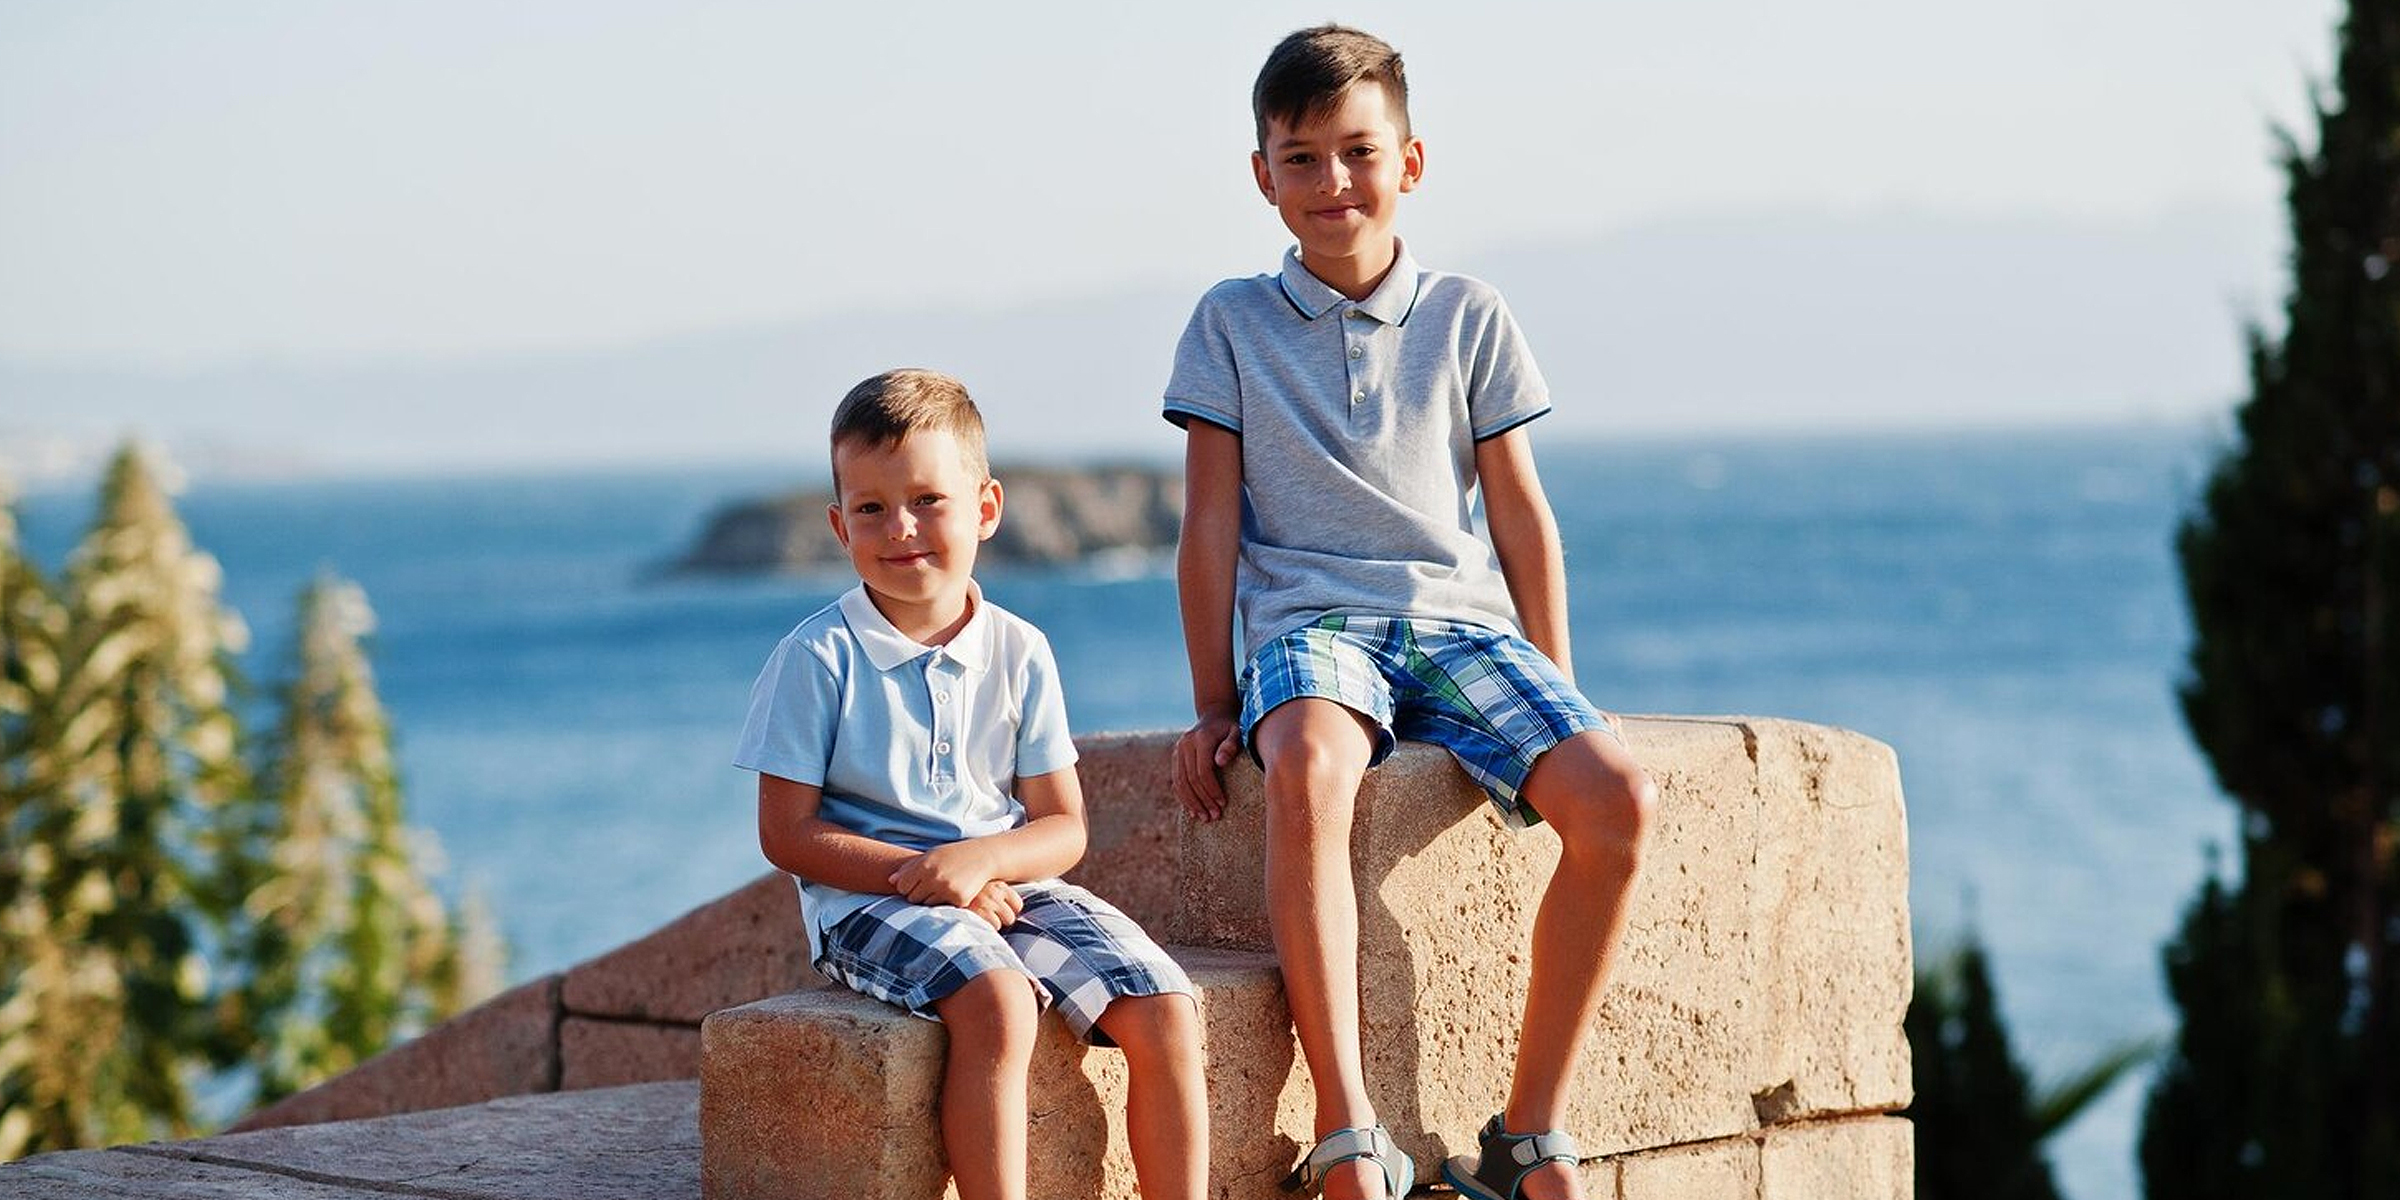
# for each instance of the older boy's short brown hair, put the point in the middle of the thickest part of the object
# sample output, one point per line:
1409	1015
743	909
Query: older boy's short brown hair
884	410
1307	73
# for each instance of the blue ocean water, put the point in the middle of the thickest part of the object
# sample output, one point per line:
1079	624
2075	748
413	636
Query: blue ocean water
2000	608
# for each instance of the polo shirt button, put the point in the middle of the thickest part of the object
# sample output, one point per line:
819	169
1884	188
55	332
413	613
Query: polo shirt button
941	697
1358	397
1358	351
941	747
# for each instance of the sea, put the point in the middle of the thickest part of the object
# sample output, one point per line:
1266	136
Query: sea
2002	607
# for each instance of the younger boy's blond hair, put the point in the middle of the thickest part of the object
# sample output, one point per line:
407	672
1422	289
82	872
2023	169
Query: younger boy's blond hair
882	411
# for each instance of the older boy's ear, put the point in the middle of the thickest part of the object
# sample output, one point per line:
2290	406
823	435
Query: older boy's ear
1412	164
841	532
1266	178
989	513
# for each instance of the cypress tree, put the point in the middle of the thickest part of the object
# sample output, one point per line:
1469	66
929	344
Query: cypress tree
1978	1134
347	947
127	759
2285	1078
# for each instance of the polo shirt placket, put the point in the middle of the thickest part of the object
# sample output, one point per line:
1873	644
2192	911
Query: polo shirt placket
943	677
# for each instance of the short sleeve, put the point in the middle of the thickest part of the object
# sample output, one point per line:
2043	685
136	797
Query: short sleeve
794	709
1043	741
1205	382
1504	387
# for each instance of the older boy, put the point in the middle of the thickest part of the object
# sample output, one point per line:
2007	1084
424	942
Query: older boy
916	775
1341	416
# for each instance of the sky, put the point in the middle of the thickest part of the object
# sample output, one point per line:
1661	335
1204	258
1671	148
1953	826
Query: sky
349	191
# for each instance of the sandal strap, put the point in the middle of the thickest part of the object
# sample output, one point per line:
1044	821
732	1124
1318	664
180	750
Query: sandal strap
1343	1145
1507	1158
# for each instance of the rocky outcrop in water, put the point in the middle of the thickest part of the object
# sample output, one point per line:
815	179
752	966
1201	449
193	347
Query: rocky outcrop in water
1052	516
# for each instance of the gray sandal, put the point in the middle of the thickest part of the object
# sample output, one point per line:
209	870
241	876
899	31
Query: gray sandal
1505	1159
1373	1143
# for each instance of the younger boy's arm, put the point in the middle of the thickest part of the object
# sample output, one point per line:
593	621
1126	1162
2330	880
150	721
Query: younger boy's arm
1204	573
797	840
1049	842
1525	535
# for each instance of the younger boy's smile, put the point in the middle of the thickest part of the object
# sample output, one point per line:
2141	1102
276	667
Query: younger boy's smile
912	516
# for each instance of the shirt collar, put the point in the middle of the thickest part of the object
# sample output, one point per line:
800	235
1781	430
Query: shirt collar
1389	303
887	647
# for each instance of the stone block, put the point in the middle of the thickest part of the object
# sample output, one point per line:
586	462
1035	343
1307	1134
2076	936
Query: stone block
830	1093
1726	1169
613	1053
506	1046
127	1174
732	950
1865	1158
1130	816
630	1143
1765	967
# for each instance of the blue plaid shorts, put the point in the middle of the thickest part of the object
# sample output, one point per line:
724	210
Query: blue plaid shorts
1080	950
1489	698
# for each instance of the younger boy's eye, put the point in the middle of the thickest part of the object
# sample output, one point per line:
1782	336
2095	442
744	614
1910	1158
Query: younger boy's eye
929	499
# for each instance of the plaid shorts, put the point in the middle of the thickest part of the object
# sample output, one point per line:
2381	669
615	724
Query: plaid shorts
1489	698
1082	951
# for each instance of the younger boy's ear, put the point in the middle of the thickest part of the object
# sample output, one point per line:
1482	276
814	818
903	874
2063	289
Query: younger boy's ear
988	514
841	532
1412	164
1266	178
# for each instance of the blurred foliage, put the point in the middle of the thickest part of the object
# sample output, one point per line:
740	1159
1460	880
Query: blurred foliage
1979	1122
174	908
2285	1078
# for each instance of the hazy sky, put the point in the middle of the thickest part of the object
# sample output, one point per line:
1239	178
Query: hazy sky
185	186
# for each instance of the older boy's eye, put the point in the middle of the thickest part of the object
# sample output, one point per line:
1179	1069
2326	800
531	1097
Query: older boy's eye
867	508
929	499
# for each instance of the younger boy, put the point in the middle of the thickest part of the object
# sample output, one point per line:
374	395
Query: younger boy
916	775
1341	416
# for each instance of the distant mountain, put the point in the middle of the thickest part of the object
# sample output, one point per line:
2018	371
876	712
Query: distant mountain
1780	322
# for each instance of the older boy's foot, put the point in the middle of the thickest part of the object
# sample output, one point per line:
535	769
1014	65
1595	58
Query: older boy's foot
1354	1164
1517	1166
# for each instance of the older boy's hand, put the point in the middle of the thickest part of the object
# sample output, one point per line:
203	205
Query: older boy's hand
953	874
998	904
1200	753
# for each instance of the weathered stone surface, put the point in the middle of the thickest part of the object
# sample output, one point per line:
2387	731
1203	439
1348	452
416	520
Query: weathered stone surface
634	1143
1726	1169
135	1174
1865	1158
1129	856
595	1054
506	1046
732	950
819	1093
1765	968
866	1126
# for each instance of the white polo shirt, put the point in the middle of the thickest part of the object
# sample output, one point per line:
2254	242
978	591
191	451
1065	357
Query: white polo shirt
1358	422
914	745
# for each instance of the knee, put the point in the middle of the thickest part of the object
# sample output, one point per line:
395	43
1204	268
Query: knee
996	1009
1158	1028
1604	804
1309	775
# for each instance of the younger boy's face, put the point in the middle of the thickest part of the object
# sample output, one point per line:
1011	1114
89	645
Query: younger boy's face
912	516
1337	180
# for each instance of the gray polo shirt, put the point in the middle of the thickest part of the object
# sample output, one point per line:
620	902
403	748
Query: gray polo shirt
1358	422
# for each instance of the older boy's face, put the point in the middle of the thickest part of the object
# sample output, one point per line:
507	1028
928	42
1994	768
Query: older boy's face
1337	181
912	516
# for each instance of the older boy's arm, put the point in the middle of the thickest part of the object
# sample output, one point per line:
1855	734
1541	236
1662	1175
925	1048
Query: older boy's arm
797	840
1525	535
1049	842
1204	571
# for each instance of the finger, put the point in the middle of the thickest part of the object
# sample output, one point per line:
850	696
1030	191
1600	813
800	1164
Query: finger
1232	745
1016	902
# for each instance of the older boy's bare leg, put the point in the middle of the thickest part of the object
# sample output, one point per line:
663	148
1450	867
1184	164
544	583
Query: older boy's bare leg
1166	1094
991	1024
1315	753
1596	797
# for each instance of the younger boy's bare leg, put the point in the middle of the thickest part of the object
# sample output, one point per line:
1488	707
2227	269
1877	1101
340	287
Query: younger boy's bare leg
991	1025
1596	797
1166	1094
1315	752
